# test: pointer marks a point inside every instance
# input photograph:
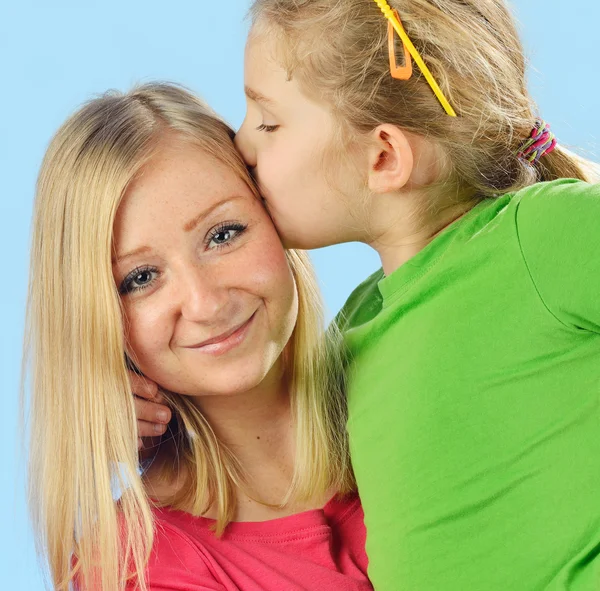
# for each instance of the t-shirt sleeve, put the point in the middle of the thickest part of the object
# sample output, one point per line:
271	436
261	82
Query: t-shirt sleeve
359	302
558	226
177	564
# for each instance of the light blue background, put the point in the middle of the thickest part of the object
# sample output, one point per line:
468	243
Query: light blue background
54	55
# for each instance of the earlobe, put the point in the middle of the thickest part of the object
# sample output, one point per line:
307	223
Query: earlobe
390	159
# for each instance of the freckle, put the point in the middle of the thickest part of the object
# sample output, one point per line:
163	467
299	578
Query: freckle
257	437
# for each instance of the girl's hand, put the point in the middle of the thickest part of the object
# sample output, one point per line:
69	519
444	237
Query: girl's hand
150	410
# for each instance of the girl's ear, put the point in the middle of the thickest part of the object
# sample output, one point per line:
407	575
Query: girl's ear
390	159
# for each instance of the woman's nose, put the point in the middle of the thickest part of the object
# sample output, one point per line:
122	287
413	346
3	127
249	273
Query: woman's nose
202	297
244	146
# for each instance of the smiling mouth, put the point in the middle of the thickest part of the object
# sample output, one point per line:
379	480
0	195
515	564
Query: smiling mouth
225	341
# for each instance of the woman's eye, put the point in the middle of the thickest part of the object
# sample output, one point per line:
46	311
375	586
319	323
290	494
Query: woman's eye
138	279
222	237
225	234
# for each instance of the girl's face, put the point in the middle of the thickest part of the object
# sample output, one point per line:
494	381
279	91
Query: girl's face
283	140
209	299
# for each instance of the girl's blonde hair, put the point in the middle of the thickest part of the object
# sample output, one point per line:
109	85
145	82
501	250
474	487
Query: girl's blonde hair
83	441
338	50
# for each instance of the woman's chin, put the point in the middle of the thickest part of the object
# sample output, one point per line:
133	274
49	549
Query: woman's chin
222	386
264	371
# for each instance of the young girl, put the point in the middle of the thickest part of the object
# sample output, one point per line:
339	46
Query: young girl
474	395
151	248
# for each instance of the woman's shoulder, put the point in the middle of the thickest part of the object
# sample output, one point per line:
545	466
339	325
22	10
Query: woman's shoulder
326	544
178	560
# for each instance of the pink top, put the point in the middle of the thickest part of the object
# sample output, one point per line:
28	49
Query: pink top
315	550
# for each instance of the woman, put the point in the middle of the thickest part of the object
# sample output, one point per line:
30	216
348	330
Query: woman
152	251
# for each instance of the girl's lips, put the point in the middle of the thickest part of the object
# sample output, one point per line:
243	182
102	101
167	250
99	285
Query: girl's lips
225	341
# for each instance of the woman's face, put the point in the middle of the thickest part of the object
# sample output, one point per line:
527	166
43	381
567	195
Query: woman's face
208	296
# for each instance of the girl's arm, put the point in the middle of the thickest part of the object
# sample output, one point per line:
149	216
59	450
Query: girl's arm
151	412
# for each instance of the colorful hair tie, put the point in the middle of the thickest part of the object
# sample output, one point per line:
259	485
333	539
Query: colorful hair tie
541	142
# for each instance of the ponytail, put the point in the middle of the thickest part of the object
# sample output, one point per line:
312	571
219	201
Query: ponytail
561	163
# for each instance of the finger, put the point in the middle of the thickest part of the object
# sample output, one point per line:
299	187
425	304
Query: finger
151	412
146	429
159	398
149	448
142	386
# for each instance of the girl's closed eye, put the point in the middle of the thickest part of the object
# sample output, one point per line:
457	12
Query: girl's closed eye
267	128
224	235
140	278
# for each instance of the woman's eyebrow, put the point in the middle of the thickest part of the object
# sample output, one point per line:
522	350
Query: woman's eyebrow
143	249
188	227
205	212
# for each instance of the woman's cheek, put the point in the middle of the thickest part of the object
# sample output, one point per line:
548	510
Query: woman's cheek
268	275
282	286
145	334
267	262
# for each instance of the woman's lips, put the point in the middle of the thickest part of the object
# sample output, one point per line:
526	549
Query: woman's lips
225	341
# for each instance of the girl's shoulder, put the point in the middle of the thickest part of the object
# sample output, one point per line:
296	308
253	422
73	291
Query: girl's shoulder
557	233
557	207
566	194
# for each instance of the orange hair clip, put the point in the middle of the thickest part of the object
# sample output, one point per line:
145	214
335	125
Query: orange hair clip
405	72
398	72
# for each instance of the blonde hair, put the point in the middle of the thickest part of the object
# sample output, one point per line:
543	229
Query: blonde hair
338	51
83	425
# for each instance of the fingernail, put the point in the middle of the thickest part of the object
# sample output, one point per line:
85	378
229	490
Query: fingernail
162	416
160	429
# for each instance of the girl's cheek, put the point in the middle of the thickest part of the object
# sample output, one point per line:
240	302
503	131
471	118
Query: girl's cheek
273	170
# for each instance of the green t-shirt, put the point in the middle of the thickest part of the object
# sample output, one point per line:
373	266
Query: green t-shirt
474	401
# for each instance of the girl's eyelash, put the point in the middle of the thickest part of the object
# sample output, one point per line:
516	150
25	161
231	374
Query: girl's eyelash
225	228
267	128
127	286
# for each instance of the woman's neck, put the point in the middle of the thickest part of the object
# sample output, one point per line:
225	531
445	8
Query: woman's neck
257	427
250	418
